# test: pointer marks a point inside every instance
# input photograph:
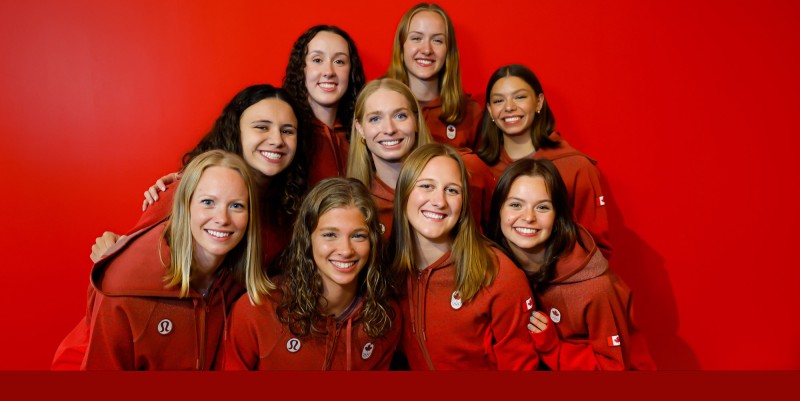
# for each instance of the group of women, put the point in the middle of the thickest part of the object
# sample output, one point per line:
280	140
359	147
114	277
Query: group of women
394	224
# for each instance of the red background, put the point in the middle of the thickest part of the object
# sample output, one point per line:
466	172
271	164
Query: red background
686	105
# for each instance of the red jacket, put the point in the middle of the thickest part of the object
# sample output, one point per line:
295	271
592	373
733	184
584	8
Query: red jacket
488	333
135	323
384	200
464	134
582	179
329	152
591	316
257	340
481	185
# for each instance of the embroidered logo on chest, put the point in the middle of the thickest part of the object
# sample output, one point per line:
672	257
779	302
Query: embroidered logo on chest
164	327
555	315
455	300
451	131
366	352
293	345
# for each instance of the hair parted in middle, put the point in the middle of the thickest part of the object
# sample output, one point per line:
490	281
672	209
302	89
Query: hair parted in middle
473	258
302	286
227	135
490	138
294	80
451	91
564	235
245	259
359	161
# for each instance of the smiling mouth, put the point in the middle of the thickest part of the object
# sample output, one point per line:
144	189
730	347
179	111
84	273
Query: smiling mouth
389	143
511	120
424	62
327	86
526	231
271	155
218	234
432	215
344	266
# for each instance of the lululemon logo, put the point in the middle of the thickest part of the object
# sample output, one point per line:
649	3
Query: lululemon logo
555	315
367	351
293	345
165	327
455	300
451	131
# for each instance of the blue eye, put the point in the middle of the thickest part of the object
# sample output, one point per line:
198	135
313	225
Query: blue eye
453	190
373	119
238	205
207	202
401	116
328	235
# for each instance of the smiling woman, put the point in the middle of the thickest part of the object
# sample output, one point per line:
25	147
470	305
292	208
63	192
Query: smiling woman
334	298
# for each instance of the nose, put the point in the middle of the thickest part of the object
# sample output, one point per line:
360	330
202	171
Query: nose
529	215
426	47
345	247
511	105
221	216
275	138
437	198
327	70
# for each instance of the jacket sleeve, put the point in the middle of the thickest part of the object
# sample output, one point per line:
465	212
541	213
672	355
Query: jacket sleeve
513	347
589	206
110	344
241	348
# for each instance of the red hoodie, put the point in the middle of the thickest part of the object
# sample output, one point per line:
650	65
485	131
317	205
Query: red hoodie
461	135
487	333
329	152
257	340
383	195
582	179
135	323
591	316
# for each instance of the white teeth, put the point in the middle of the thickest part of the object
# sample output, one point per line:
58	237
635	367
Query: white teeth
512	119
327	85
271	155
425	62
390	143
343	265
218	234
524	230
432	215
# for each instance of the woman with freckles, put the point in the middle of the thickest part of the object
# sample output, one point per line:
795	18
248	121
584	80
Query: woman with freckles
325	75
518	123
585	316
161	295
333	309
425	57
464	303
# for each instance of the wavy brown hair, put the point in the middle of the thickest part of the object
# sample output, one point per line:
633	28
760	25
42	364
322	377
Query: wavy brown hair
302	287
294	81
227	135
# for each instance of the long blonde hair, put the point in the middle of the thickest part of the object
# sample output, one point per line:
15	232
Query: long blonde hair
451	91
245	258
475	262
359	161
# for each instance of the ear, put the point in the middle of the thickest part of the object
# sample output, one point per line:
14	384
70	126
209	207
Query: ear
360	129
489	110
541	102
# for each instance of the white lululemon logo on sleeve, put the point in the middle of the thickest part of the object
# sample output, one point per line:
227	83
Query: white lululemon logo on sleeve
367	351
555	315
293	345
455	300
165	327
451	131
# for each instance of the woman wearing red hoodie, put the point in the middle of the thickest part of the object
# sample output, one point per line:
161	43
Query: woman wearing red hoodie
333	309
585	312
161	295
465	304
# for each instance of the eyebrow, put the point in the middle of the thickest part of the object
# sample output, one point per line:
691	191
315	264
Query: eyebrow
337	54
378	112
420	33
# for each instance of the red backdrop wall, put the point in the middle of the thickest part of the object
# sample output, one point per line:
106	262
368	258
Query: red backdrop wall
686	106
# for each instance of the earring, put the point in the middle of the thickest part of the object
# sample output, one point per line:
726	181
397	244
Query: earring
363	142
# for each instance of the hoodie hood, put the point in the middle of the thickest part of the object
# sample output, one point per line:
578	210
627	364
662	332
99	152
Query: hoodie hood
580	264
563	149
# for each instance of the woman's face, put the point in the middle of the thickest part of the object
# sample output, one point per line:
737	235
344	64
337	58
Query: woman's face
425	48
388	126
341	246
513	105
269	136
327	70
219	214
527	215
434	204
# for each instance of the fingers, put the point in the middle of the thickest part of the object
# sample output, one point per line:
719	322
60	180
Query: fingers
161	185
538	322
101	245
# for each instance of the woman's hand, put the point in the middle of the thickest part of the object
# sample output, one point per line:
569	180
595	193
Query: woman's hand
151	195
102	243
538	322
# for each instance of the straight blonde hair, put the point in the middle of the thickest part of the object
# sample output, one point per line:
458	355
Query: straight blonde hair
359	161
475	262
451	91
245	258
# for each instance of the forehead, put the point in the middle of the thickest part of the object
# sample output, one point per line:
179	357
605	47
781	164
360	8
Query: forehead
443	169
343	217
385	99
529	188
272	109
216	179
427	21
510	84
328	42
